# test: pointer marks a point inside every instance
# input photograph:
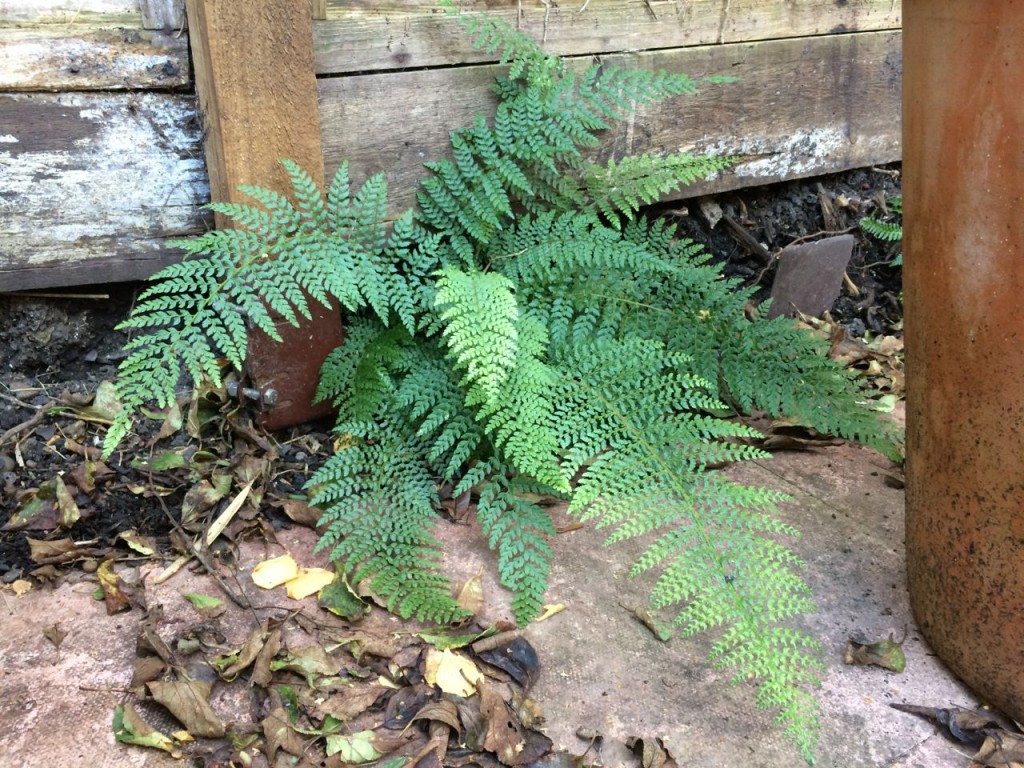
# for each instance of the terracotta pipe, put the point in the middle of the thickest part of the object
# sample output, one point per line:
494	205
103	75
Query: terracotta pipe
963	156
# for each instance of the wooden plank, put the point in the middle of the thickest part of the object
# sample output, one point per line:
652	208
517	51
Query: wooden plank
168	15
375	35
255	79
92	184
15	12
83	57
802	107
257	90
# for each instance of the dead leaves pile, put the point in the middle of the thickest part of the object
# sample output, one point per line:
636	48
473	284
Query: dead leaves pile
998	740
303	691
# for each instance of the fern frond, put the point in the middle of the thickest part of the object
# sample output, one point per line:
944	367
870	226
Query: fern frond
517	529
200	310
648	447
377	498
479	311
622	187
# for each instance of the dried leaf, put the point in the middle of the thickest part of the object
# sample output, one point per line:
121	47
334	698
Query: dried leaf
113	589
231	664
443	711
144	545
471	595
1001	749
301	512
188	701
308	582
55	635
516	657
652	753
352	700
55	551
275	572
310	662
280	735
506	737
451	673
883	653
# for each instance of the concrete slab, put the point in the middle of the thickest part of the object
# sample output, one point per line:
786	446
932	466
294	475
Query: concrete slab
601	669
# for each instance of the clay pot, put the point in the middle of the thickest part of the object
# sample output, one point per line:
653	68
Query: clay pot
963	154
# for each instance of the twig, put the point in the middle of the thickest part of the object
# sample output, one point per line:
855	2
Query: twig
22	403
27	424
651	9
583	7
823	233
203	559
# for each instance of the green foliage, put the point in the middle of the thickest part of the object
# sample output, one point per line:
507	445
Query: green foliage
889	231
524	331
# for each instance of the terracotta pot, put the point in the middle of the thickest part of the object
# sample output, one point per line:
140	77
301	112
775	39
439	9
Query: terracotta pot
963	154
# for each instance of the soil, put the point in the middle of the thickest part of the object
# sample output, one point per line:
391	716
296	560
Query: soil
57	350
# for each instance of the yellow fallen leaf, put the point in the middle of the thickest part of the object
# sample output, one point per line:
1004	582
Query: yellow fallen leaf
551	610
308	582
451	673
20	587
275	572
471	596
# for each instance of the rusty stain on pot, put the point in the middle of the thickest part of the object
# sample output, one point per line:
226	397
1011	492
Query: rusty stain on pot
964	279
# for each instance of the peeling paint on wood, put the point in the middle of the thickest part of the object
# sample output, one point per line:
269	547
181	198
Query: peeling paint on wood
85	57
92	184
14	12
167	15
800	107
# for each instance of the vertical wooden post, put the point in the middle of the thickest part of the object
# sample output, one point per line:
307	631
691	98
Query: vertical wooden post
257	90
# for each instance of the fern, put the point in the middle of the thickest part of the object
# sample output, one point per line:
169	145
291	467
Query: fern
889	231
524	331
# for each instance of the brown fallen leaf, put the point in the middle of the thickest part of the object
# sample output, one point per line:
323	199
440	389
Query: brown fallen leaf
350	701
965	725
443	711
1000	749
652	753
114	595
188	701
887	654
55	635
471	595
280	735
505	736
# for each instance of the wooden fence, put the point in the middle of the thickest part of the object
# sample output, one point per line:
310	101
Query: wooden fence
102	153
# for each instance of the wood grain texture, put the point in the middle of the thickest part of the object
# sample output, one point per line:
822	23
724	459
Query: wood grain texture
92	185
254	77
801	107
375	35
255	80
87	57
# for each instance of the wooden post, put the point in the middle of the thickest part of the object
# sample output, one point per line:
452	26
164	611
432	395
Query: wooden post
257	90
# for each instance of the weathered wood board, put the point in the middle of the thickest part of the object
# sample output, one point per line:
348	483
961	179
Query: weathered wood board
91	185
375	35
86	57
801	107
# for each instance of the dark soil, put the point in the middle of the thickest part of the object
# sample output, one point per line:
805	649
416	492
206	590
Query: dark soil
54	349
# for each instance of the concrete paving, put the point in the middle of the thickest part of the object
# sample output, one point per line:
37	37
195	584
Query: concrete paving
602	670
